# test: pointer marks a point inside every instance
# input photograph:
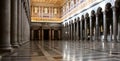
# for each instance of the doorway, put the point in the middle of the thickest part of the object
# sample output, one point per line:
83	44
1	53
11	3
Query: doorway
36	35
46	34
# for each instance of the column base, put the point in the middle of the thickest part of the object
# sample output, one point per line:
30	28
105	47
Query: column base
19	43
15	46
7	49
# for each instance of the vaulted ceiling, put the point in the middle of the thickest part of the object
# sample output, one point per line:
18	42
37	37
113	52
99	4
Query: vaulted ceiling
55	2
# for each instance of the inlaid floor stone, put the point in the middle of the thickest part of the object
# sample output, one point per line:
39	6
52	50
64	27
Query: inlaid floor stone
65	51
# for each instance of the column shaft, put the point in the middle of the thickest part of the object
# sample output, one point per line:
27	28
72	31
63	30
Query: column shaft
50	45
85	29
66	32
22	23
39	34
74	32
59	34
53	34
5	25
14	20
50	34
91	28
105	26
19	22
114	24
97	28
32	34
77	31
81	31
71	31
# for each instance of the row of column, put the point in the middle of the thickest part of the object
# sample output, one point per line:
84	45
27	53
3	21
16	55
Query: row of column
77	30
11	25
41	34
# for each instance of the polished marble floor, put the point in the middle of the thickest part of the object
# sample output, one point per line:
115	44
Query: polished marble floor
65	51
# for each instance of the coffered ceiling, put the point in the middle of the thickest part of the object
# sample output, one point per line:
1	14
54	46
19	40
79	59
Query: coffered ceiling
55	2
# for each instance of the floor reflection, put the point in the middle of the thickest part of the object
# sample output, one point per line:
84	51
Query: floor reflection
65	51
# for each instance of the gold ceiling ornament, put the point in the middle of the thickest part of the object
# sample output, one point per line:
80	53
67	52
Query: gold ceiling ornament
55	2
38	19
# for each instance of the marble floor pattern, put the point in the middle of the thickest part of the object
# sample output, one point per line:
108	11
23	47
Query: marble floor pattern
65	51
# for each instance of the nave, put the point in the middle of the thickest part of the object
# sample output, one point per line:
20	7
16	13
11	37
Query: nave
65	51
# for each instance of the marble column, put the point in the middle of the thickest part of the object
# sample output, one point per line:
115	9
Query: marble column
53	37
19	22
91	28
22	23
14	23
50	45
63	33
5	6
114	24
97	28
53	34
74	32
66	32
42	34
77	31
50	34
71	32
42	37
119	32
39	34
59	34
81	30
85	28
32	31
105	26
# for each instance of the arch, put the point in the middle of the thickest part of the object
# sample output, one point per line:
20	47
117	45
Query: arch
86	15
82	28
87	26
75	20
93	22
79	33
100	20
109	20
78	19
87	19
82	17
